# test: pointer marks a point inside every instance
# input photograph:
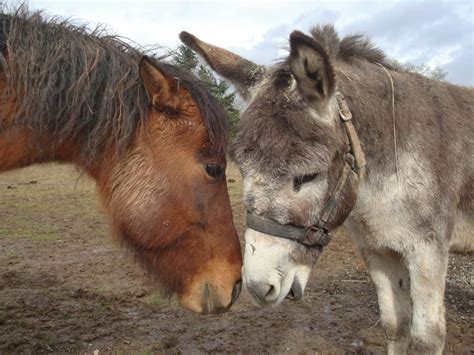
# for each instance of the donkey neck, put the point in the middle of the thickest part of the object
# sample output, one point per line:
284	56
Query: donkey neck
368	93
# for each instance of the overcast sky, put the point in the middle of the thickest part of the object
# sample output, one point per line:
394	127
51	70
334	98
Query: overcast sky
434	32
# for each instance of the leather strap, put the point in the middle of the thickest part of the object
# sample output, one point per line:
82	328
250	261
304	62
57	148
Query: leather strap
318	235
354	142
307	236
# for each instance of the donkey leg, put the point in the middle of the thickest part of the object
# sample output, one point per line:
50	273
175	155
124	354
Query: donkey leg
390	277
427	265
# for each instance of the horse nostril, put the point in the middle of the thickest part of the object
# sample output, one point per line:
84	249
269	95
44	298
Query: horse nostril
236	291
206	300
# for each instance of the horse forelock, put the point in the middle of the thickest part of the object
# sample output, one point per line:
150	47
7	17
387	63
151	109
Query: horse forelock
75	84
214	117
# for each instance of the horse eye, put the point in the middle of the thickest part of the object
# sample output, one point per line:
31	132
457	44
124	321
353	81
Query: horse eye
214	170
300	180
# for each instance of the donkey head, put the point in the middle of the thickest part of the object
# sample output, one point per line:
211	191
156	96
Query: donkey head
290	149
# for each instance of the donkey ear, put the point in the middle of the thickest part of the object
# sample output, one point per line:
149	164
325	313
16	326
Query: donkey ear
242	73
156	83
311	68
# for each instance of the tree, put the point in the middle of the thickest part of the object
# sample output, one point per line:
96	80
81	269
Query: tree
435	73
186	59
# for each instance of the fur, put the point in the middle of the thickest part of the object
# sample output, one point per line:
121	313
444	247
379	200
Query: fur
414	202
78	96
75	84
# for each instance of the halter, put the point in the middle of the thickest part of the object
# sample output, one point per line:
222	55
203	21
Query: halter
318	234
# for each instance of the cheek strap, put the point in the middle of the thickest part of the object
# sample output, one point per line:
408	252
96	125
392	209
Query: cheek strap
315	235
318	234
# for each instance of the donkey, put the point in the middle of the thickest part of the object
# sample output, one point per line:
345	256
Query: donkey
150	136
335	135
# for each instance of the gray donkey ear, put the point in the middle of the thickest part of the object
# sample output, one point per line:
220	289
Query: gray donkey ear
311	68
242	73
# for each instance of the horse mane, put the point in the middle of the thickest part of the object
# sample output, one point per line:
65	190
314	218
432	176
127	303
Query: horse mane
72	83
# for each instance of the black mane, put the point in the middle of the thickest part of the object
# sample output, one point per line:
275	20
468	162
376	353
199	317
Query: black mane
84	84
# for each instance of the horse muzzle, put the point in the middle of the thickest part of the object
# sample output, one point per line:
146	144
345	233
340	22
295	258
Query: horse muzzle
211	300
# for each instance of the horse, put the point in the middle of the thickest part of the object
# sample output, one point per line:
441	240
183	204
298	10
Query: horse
152	138
335	135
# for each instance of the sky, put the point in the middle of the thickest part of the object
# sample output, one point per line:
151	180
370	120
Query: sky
433	32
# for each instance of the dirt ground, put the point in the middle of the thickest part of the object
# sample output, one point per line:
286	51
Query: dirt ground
65	287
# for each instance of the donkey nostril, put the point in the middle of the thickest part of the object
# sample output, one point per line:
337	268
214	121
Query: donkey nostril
271	290
271	293
265	291
261	292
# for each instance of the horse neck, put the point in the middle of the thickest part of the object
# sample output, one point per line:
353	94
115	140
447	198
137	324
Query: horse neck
22	147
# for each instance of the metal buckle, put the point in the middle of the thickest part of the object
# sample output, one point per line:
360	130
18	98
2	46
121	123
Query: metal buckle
344	112
345	116
321	238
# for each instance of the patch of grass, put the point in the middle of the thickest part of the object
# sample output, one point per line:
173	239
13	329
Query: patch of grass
3	317
104	291
47	339
107	302
30	235
21	323
97	315
170	342
43	236
59	204
157	300
12	254
68	316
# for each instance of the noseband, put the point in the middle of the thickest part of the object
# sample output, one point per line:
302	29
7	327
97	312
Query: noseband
318	234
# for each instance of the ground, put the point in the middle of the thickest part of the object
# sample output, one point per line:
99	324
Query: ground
66	287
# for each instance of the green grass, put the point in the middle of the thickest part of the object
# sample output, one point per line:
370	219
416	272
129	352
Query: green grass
157	300
64	201
12	255
48	339
57	205
21	229
68	316
41	237
3	317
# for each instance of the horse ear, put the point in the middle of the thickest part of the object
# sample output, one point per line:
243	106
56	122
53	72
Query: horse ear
311	68
242	73
156	83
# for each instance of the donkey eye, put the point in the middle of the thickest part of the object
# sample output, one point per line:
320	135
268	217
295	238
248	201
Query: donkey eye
303	179
214	170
